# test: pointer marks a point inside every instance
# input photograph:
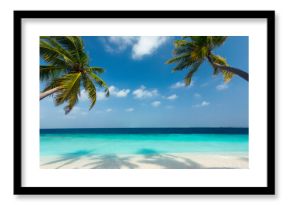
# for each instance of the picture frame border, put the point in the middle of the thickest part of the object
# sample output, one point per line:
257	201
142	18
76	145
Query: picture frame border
268	190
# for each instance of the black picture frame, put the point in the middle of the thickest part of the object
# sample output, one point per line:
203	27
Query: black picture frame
268	190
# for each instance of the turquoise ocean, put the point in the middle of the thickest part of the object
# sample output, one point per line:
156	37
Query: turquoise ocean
143	141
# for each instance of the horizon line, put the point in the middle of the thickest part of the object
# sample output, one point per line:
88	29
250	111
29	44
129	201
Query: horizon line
141	127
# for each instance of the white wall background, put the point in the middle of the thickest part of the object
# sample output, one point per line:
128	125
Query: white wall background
282	99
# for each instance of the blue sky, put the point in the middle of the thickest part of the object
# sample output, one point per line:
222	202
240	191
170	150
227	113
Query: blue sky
146	93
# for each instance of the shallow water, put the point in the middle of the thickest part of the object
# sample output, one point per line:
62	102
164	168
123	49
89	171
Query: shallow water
82	143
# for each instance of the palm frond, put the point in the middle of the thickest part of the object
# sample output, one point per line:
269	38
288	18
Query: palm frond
186	48
90	89
190	51
50	53
227	75
219	60
179	58
58	47
68	67
218	41
192	38
197	40
46	52
107	92
183	65
203	51
216	71
75	45
70	84
98	70
100	82
178	43
72	100
210	41
53	83
192	71
49	72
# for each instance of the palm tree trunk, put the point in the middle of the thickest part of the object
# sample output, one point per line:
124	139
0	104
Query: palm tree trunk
236	71
49	92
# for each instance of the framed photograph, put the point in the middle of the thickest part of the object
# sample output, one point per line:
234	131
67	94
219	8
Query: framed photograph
144	102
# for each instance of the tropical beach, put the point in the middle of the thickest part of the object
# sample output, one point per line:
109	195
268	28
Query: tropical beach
137	102
156	149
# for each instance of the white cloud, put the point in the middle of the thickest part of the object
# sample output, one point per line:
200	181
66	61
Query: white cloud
130	109
118	93
142	93
114	92
222	87
172	97
100	96
117	44
109	110
146	45
141	45
180	84
156	103
203	104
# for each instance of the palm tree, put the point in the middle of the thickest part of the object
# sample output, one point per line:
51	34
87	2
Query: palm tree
191	51
68	70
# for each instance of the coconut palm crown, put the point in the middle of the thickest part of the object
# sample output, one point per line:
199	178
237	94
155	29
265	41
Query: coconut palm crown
191	51
67	70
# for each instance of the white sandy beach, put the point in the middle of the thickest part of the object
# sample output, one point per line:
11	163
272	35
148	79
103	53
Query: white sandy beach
154	161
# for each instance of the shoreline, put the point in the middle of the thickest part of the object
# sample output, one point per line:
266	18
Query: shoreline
150	161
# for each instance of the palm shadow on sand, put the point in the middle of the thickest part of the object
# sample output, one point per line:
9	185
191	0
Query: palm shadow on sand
111	161
69	158
167	161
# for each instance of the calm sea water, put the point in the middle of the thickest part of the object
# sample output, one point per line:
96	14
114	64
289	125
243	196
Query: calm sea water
143	141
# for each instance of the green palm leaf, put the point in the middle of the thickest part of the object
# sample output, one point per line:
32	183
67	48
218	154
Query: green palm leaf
72	100
50	54
98	70
221	61
75	45
90	89
183	65
70	84
48	72
183	57
58	48
218	59
194	68
218	41
100	82
191	51
67	71
227	75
